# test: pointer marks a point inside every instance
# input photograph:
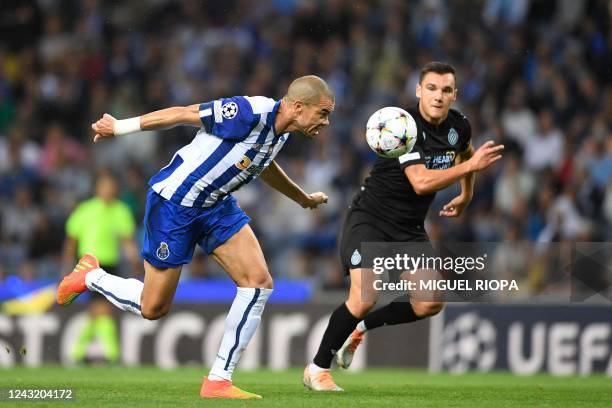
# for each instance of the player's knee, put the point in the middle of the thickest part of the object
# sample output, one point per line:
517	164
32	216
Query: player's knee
426	309
154	311
359	308
258	280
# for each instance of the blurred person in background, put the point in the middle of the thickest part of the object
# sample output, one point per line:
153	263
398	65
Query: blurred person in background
102	224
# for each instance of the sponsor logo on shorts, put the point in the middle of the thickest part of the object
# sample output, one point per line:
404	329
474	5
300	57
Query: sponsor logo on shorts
163	252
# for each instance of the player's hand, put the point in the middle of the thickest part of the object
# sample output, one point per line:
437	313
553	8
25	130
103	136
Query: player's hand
486	155
314	200
104	127
455	207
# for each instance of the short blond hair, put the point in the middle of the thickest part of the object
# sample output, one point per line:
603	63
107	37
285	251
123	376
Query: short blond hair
308	89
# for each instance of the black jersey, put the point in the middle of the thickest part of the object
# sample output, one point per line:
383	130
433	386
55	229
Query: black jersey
387	192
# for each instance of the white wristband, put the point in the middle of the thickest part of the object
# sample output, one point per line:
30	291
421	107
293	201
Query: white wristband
125	126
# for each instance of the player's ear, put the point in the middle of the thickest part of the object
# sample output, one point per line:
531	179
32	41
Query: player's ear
418	91
455	94
298	106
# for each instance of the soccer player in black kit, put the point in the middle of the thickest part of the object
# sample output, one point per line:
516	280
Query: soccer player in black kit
391	207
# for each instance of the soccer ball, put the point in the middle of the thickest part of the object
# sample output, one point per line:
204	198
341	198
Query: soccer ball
391	132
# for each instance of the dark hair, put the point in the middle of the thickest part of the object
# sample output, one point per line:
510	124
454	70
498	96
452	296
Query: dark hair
438	68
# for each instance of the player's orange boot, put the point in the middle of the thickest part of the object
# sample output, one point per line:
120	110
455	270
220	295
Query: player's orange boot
321	381
224	389
73	284
344	356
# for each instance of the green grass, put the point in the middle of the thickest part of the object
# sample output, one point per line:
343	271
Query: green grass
137	387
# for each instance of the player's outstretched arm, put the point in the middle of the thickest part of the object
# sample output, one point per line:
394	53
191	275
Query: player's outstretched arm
108	127
275	177
427	181
456	206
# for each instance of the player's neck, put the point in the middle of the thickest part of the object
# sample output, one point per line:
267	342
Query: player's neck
429	119
282	121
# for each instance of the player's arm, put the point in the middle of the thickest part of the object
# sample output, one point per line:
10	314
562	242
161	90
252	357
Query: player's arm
275	177
108	126
427	181
457	205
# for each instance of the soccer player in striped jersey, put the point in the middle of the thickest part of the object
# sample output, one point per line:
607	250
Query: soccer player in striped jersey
189	202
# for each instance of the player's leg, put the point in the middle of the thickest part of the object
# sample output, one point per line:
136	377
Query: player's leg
243	260
231	242
342	322
151	299
403	309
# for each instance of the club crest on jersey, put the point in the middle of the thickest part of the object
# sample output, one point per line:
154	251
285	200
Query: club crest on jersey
244	163
163	252
229	110
453	136
356	257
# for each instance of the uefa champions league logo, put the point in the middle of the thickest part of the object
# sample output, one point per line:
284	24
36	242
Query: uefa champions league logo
229	110
468	342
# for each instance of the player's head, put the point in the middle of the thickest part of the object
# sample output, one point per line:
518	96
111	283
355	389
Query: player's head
106	186
436	90
310	101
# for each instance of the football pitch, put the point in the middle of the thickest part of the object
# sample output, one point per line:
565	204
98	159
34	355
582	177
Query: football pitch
149	386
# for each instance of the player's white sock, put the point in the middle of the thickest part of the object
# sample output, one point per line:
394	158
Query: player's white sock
314	369
121	292
362	327
240	325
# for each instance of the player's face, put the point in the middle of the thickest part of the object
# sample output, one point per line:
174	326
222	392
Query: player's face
313	117
436	93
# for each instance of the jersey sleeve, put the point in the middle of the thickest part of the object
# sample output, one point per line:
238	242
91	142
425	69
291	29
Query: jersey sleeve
415	156
228	118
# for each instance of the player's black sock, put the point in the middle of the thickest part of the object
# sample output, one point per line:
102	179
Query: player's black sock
397	312
341	325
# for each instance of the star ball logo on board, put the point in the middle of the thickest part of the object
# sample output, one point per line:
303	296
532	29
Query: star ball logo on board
229	110
453	136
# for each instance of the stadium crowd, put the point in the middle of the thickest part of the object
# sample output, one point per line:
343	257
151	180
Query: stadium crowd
532	74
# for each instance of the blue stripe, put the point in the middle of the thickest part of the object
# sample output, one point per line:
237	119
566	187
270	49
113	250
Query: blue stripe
210	162
125	302
230	173
166	171
269	124
239	329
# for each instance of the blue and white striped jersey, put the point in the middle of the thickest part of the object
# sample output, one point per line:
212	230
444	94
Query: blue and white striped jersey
235	144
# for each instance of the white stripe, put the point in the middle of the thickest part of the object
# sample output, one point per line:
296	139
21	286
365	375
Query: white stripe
205	112
230	159
194	154
239	179
409	156
217	109
260	104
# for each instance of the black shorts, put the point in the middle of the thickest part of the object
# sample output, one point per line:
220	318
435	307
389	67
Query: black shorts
360	226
